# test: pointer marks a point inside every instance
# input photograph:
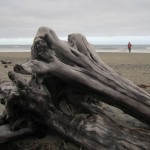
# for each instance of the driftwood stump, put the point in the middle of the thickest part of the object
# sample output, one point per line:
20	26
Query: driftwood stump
71	71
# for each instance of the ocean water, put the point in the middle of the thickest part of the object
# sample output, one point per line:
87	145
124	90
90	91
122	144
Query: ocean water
99	48
15	48
123	48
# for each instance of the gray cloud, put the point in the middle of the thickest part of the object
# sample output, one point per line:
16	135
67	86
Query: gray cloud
21	18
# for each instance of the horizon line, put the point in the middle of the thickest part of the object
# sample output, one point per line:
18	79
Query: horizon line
106	40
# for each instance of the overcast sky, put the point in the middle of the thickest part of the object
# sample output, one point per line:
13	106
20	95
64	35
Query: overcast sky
93	18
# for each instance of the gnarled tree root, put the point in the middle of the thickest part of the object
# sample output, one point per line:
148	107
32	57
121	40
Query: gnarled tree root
71	70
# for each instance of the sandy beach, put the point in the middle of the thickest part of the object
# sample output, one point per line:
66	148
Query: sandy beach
15	58
134	66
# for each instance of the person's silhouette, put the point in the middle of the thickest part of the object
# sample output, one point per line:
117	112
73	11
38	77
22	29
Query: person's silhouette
129	47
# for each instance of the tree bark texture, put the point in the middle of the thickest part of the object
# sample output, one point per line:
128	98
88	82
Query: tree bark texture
72	71
77	63
94	131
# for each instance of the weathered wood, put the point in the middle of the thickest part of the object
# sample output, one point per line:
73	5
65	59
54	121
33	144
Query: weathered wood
99	132
6	62
71	71
77	63
7	135
93	131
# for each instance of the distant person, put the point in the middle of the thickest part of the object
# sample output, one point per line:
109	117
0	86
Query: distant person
129	47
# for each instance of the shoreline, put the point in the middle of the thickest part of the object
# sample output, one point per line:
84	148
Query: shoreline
96	51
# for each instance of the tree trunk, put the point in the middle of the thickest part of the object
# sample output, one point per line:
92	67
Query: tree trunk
71	71
77	63
93	131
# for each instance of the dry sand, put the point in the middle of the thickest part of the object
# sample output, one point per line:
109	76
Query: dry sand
15	57
134	66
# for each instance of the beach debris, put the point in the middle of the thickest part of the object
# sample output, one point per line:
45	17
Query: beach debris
6	62
144	86
72	72
5	66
